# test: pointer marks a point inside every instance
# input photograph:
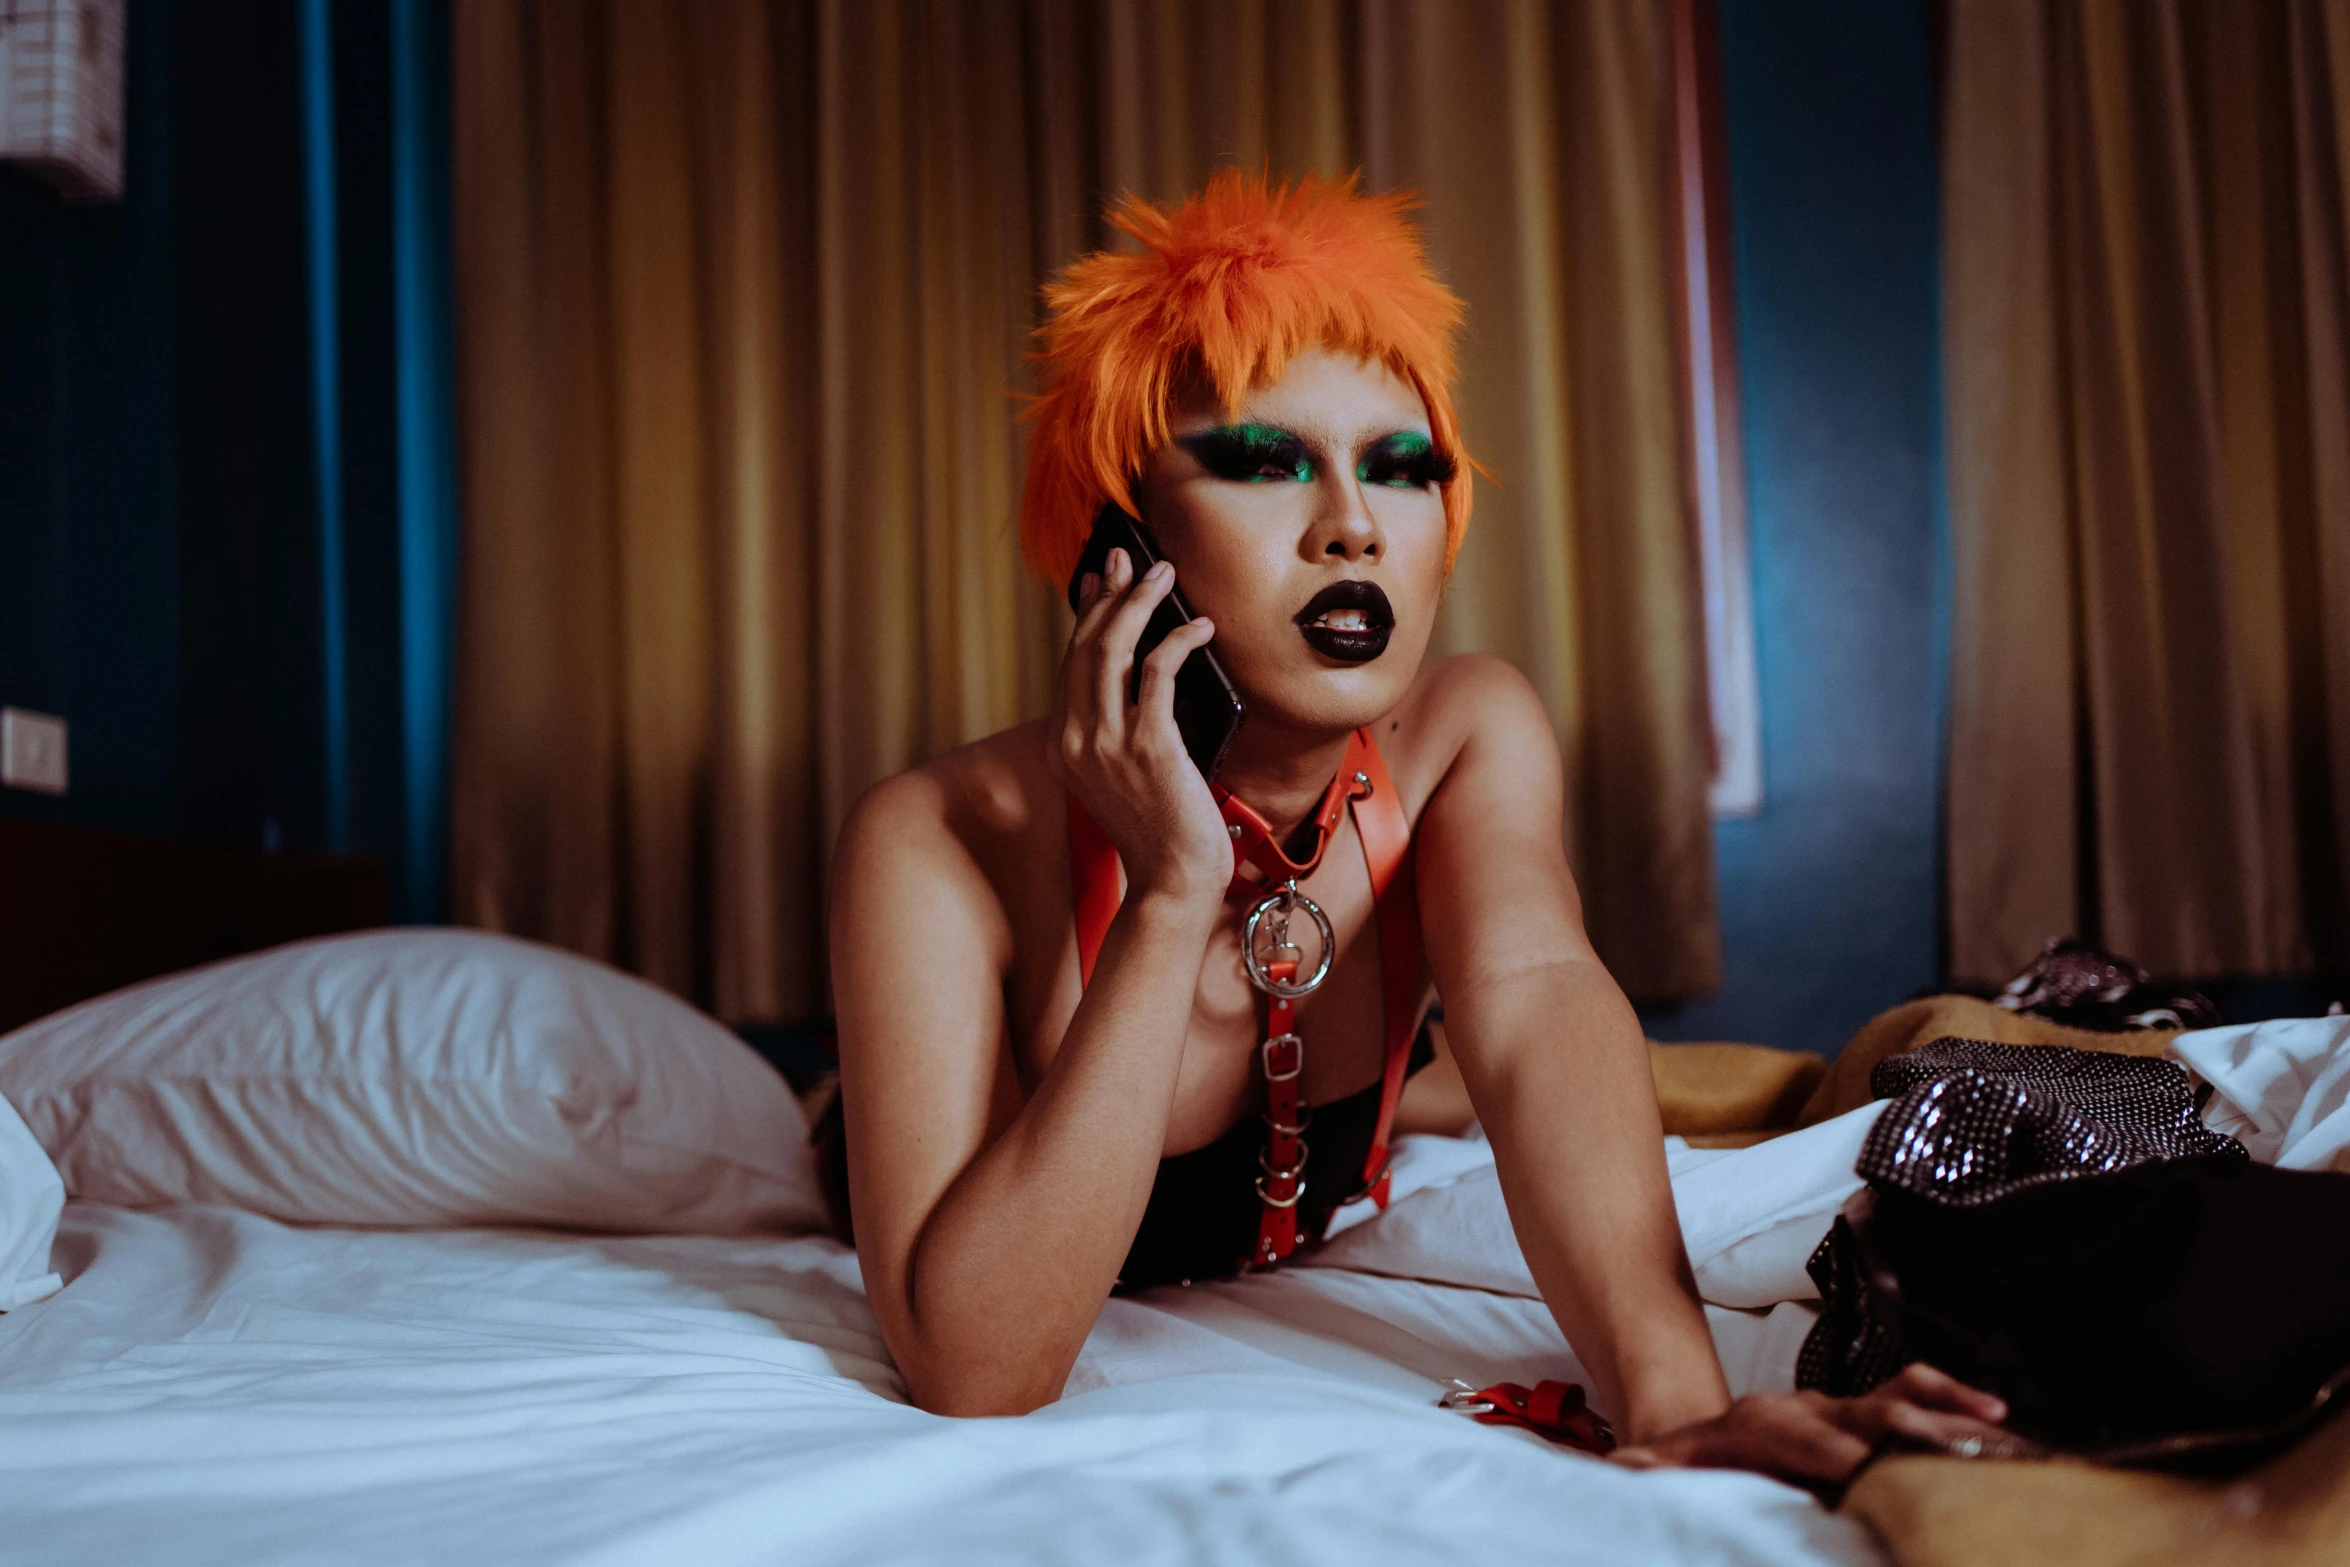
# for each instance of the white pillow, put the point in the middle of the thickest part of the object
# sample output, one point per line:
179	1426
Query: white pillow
416	1078
31	1197
1750	1218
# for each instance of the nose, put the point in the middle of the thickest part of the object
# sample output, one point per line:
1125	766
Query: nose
1343	527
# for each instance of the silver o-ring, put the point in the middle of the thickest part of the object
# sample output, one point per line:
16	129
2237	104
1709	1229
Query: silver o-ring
1287	990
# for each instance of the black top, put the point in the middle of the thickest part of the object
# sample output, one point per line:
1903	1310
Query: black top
1201	1222
1204	1211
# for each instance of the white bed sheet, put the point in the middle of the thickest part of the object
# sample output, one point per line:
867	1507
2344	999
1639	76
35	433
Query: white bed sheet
215	1387
2282	1087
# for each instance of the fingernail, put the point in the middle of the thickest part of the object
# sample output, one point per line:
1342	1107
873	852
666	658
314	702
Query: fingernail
1160	570
1089	584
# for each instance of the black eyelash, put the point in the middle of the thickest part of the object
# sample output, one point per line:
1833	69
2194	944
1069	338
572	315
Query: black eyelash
1407	460
1249	452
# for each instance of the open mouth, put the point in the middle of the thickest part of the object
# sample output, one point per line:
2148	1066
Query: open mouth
1349	621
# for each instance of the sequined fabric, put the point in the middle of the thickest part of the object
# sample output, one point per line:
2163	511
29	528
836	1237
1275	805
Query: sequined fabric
1972	1122
2075	984
1857	1343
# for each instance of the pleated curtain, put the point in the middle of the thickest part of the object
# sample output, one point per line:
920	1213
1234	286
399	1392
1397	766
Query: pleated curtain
745	290
2147	321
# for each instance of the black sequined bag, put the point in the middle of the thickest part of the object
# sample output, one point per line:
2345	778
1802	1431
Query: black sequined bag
2078	985
2055	1226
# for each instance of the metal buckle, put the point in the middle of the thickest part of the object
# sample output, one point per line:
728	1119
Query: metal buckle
1271	1201
1279	903
1372	1184
1265	1054
1464	1400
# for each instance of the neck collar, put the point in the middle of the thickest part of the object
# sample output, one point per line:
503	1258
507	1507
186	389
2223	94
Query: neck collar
1253	843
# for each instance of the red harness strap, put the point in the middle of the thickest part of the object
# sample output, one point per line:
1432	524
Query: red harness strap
1259	866
1281	1178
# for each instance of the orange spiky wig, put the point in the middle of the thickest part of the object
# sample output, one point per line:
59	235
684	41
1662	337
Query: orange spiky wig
1232	284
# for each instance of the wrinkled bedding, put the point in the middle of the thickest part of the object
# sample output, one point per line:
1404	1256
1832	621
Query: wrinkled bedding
1750	1217
2281	1088
212	1386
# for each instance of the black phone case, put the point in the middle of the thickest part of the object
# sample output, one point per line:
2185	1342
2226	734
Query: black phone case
1208	712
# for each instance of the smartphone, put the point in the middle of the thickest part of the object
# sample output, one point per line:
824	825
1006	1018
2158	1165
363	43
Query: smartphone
1207	710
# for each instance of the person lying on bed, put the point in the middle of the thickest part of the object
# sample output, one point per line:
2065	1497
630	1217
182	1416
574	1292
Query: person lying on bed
1051	1087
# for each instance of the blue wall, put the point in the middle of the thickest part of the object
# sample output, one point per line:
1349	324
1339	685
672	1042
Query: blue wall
1830	898
89	564
162	553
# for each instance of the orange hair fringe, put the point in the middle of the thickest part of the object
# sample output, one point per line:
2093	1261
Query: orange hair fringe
1235	282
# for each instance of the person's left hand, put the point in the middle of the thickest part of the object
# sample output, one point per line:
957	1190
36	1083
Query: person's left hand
1812	1439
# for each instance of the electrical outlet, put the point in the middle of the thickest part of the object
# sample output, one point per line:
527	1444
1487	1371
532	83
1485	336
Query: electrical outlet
32	751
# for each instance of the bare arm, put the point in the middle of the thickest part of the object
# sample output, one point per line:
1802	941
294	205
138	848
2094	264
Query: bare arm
1557	1067
991	1231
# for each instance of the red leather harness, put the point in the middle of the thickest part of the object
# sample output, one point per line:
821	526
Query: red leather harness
1262	870
1555	1410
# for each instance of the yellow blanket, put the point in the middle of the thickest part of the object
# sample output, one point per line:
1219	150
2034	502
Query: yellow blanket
1717	1093
1915	1023
1731	1095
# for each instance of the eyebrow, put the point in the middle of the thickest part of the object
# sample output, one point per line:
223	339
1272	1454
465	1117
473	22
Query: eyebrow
1266	430
1246	430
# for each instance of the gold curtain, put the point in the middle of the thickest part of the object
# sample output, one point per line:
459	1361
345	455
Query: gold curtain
2147	317
744	295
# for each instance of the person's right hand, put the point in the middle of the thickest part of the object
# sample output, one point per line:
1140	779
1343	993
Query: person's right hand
1812	1439
1125	761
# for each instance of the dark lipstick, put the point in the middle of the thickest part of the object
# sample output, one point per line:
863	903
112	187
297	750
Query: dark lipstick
1358	642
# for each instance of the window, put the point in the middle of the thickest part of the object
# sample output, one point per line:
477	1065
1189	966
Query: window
1710	401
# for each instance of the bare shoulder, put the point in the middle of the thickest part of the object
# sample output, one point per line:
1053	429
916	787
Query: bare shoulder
1477	689
989	784
1468	708
946	830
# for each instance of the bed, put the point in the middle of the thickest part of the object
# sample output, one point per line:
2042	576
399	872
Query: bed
212	1386
432	1247
265	1349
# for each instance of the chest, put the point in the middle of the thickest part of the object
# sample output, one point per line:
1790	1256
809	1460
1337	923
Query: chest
1343	1022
